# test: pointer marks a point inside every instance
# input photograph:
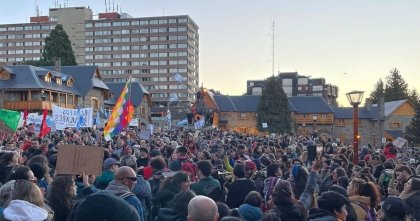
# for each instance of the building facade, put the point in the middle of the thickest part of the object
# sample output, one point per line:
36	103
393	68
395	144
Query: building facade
295	85
152	50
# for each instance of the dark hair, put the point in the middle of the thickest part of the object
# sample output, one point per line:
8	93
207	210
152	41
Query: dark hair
343	182
361	163
340	172
300	181
59	196
38	170
29	192
254	199
339	189
175	180
368	189
282	194
205	167
180	202
239	170
231	218
157	163
388	165
41	159
402	168
223	210
332	201
272	169
19	173
6	157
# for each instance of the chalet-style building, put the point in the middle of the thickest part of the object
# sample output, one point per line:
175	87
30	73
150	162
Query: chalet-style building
33	88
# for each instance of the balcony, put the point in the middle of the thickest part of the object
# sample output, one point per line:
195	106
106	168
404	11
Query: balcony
34	105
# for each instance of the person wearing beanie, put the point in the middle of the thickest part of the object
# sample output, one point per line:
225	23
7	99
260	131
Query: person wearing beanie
411	195
104	206
250	210
298	178
332	206
110	166
393	209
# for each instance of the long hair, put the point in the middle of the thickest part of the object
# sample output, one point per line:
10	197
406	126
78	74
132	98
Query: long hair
60	199
29	192
368	189
6	157
283	194
180	201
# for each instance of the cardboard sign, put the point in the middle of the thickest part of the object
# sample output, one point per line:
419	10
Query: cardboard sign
399	142
76	159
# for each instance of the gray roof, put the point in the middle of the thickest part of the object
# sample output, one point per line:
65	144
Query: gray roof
245	103
30	77
392	106
310	104
84	79
137	91
364	113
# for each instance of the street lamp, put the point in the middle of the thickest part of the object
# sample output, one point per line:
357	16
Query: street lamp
314	117
355	98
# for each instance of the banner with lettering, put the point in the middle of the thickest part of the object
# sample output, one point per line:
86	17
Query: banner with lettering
65	117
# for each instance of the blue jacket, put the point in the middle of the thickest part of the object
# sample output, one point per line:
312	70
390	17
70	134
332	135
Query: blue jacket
124	192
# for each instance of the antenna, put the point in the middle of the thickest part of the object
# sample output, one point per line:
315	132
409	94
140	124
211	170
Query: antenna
106	9
36	8
117	7
272	47
113	6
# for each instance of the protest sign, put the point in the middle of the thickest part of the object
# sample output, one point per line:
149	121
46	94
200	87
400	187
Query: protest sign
77	159
36	119
134	122
65	117
399	142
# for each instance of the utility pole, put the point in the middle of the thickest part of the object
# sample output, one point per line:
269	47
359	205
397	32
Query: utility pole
272	47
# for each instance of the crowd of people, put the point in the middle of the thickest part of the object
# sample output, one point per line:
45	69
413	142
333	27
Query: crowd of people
207	175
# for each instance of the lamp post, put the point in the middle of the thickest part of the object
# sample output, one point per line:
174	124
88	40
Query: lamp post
314	118
355	98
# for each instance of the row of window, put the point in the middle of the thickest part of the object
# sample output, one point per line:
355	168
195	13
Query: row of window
21	36
19	44
18	59
136	47
141	39
133	23
28	28
29	51
136	31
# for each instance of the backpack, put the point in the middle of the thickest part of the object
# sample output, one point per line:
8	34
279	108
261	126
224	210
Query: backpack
191	169
384	183
370	212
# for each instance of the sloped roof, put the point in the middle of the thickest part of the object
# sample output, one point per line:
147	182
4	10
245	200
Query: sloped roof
84	77
310	104
395	133
29	77
391	106
137	91
364	113
245	103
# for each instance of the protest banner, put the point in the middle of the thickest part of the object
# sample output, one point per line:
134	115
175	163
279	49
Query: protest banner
65	117
399	142
77	159
36	119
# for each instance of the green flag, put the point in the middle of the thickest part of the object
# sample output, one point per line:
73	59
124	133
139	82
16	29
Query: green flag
9	120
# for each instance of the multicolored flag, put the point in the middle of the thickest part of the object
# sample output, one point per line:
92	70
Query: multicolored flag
9	120
121	114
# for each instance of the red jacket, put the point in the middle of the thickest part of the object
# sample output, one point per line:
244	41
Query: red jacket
387	152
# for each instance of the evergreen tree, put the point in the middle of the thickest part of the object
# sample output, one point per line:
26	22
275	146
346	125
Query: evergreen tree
273	108
58	45
413	130
396	88
376	94
414	97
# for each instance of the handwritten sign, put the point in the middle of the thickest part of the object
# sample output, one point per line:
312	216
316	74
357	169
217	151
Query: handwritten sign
65	117
76	159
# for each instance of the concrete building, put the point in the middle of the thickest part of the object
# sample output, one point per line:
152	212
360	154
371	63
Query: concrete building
297	85
153	50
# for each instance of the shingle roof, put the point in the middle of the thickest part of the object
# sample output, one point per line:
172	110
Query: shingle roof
137	91
391	106
364	113
245	103
29	77
310	104
84	79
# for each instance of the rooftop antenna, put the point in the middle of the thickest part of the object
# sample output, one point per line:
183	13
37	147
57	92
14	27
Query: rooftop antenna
272	47
109	5
106	9
113	6
117	7
36	8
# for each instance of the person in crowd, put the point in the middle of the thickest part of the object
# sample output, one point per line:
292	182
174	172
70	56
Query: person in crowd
172	185
287	207
402	174
128	157
39	173
376	166
223	210
250	210
6	193
33	150
411	195
41	159
332	206
298	178
393	209
177	209
202	208
122	186
8	160
351	214
207	185
108	174
390	151
239	188
61	196
22	173
364	198
143	159
85	187
119	147
273	174
26	203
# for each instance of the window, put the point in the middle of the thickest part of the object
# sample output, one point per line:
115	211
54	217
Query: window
324	116
47	78
317	88
144	22
58	81
341	121
163	21
243	115
95	103
172	21
395	125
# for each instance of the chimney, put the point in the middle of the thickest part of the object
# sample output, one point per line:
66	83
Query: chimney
57	64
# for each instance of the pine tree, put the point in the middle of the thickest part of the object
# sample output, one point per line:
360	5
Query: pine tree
376	94
58	44
396	88
273	108
413	130
414	97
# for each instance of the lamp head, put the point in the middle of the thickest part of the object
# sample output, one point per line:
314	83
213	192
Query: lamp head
355	97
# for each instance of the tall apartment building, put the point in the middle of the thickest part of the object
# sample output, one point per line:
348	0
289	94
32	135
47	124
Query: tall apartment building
151	50
294	84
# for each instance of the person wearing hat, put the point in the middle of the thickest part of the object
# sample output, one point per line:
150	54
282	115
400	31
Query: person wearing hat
411	195
393	209
108	174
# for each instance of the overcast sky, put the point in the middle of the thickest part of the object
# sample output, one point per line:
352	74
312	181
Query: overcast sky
351	43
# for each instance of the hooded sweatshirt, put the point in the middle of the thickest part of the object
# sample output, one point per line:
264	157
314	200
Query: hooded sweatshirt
20	210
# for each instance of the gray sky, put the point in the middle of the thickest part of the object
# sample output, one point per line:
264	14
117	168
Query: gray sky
324	38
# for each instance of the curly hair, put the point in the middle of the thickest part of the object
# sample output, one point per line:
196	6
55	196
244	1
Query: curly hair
283	194
60	198
368	189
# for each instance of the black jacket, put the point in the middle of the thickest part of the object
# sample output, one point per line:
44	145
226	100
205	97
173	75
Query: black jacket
167	214
316	214
238	190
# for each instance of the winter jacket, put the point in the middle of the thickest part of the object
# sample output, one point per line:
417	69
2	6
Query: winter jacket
83	192
209	187
297	212
360	211
167	214
250	213
143	191
124	192
5	172
316	214
20	210
165	195
238	190
377	170
413	202
103	180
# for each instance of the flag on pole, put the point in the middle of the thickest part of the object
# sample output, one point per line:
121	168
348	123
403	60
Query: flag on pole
121	114
44	128
80	120
25	116
173	97
178	77
9	120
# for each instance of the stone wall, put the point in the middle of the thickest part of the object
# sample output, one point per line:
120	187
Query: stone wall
345	131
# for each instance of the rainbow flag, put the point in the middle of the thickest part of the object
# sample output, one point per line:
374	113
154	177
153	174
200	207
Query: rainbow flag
121	114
